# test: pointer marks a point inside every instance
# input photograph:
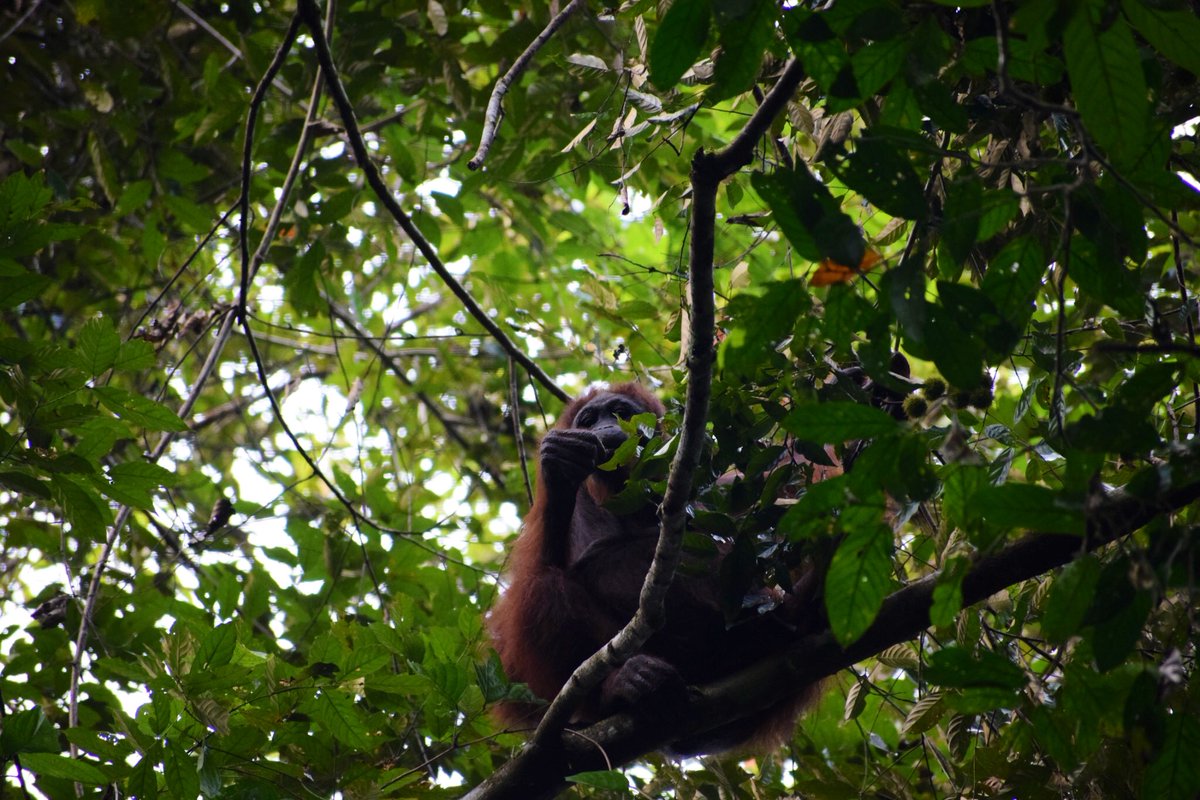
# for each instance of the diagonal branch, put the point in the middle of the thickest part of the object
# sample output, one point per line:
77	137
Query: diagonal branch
375	345
495	113
904	614
520	776
308	10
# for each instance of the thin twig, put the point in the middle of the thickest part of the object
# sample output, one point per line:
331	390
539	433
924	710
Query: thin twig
256	101
13	29
495	112
785	156
224	42
309	11
93	590
1057	411
1165	348
166	287
1007	87
514	411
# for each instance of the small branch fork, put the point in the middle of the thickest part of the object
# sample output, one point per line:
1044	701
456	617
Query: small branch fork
538	770
495	112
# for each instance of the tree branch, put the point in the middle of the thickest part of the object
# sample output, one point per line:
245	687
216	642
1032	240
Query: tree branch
310	14
625	737
495	113
525	776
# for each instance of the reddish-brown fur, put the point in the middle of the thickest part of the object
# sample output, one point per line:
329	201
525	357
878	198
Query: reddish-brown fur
575	574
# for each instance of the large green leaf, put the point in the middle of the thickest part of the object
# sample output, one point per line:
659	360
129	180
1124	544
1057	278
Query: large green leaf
810	217
859	576
1106	76
677	43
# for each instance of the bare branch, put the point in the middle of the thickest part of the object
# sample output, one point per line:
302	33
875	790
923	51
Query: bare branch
495	113
310	13
238	55
20	20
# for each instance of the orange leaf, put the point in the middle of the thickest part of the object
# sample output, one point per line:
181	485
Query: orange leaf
830	271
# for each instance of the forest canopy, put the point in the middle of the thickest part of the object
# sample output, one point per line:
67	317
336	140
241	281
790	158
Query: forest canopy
291	291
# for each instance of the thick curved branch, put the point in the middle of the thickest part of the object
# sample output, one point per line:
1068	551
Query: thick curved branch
625	737
672	513
312	19
524	775
740	152
495	113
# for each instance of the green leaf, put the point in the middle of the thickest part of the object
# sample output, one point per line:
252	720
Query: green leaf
139	410
1101	274
22	288
216	650
1013	278
877	63
883	175
53	765
960	216
97	346
136	482
947	593
24	483
1107	80
1118	612
833	423
300	279
1034	508
809	216
133	198
183	780
899	465
1176	34
192	216
87	512
143	782
956	667
859	575
27	731
924	714
1115	429
1069	598
676	46
337	713
743	30
769	318
961	482
406	684
1174	774
136	354
971	311
958	357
